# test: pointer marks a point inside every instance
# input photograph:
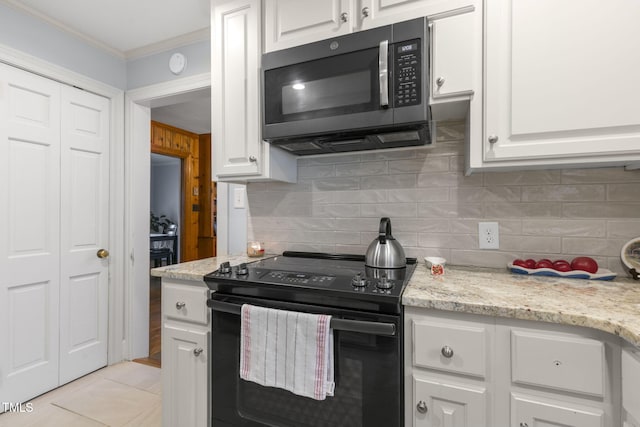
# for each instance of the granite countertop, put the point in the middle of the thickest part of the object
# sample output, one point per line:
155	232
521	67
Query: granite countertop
610	306
195	270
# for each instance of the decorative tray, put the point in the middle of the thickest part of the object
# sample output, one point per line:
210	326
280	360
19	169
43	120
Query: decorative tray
602	274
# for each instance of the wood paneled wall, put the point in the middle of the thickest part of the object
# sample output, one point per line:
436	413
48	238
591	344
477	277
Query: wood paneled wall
206	232
171	141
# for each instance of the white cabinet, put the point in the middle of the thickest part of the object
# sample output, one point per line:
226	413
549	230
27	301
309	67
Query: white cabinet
631	386
291	23
557	375
561	84
455	80
445	403
238	152
453	51
446	369
470	370
375	13
530	412
185	353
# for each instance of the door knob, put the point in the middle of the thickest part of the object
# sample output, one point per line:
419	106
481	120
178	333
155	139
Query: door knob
102	253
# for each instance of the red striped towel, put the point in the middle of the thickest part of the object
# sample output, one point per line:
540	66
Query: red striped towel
288	350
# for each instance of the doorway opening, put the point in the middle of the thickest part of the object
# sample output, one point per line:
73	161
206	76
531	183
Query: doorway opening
178	122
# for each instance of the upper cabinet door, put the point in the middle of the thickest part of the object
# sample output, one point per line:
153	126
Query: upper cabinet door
291	23
453	53
561	83
236	88
375	13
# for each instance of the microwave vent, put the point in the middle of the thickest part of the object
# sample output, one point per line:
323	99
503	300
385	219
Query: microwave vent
391	138
306	146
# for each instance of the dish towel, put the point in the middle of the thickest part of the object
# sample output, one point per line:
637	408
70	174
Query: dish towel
288	350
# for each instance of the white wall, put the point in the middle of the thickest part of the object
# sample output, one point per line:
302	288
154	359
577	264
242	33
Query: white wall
166	179
237	217
154	69
37	38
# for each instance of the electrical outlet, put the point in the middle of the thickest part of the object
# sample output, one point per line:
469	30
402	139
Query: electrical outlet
488	235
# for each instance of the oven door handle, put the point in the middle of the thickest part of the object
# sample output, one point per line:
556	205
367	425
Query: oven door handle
361	326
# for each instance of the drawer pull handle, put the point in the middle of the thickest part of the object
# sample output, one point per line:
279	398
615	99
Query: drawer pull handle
197	351
180	305
447	352
422	407
524	425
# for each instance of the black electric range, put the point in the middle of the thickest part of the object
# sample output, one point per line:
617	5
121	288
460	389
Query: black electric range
333	280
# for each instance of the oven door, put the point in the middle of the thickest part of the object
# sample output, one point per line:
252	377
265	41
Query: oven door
312	89
368	374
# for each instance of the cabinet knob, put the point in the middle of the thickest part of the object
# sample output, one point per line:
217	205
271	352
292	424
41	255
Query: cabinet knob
440	81
422	407
180	305
365	12
447	352
197	351
253	159
493	139
524	425
344	16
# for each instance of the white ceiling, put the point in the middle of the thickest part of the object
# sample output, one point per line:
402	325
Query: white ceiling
193	115
127	28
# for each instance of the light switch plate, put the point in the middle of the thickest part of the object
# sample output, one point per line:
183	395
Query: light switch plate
238	198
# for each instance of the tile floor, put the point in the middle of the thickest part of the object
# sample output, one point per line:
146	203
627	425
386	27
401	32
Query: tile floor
126	394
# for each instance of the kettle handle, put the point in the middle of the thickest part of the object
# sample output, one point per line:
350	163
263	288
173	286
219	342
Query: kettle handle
385	230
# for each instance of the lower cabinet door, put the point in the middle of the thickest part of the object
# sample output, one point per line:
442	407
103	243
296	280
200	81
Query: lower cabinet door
438	404
527	411
184	371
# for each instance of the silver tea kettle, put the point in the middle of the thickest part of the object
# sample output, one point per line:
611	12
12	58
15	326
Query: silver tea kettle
385	251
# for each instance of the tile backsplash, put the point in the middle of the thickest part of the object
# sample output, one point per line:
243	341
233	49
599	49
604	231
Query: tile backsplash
338	201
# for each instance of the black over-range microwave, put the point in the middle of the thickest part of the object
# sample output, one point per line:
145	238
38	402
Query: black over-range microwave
363	91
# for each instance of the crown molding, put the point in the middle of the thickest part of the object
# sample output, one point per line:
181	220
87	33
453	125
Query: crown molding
165	45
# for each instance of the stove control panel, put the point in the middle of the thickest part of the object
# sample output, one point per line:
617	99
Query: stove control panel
297	278
376	282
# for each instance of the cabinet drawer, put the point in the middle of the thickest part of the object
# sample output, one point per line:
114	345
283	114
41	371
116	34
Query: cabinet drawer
558	362
530	410
450	347
631	382
185	303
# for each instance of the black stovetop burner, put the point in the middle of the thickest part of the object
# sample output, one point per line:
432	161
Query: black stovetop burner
336	280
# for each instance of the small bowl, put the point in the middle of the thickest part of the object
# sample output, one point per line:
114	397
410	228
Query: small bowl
435	264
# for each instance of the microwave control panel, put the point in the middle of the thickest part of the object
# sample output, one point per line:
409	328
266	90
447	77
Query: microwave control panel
407	73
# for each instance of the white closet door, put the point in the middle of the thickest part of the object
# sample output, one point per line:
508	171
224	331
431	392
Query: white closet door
29	233
85	222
